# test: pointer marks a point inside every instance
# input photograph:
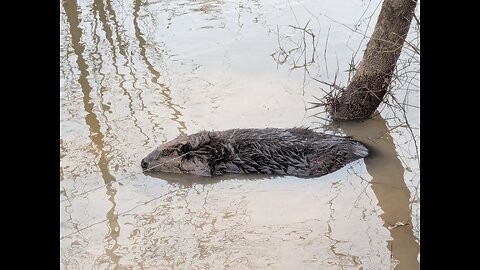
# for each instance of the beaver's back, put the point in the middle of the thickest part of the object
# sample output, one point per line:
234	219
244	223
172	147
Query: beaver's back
295	151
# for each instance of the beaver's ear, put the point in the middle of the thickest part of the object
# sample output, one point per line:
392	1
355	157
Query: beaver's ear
199	139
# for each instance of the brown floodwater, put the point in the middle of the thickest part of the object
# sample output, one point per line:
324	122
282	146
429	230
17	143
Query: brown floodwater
135	74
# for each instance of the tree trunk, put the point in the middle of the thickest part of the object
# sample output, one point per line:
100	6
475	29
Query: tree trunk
369	84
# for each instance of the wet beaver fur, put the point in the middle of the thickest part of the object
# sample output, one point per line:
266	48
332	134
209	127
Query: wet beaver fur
294	151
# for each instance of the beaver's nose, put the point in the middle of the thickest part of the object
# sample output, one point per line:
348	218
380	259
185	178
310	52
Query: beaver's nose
144	164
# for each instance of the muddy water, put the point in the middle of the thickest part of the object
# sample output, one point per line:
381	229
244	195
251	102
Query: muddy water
135	74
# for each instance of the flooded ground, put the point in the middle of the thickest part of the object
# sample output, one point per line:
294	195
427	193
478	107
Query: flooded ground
135	74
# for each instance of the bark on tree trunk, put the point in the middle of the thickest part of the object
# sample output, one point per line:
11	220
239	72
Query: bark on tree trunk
369	84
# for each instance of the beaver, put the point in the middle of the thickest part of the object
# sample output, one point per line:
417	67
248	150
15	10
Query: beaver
294	151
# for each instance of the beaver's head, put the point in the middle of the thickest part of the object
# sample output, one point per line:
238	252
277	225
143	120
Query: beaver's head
180	155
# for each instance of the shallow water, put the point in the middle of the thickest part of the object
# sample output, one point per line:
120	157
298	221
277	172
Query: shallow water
135	74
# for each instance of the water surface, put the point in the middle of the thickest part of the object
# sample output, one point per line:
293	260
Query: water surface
135	74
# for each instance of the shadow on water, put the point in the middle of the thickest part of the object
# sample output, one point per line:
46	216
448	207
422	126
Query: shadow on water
185	180
388	185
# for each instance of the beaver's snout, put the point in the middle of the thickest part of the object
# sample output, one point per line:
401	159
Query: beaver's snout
144	164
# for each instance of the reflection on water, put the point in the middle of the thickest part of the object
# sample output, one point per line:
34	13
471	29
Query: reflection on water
388	185
137	73
164	91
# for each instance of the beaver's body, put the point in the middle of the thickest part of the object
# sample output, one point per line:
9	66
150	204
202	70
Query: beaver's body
295	151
